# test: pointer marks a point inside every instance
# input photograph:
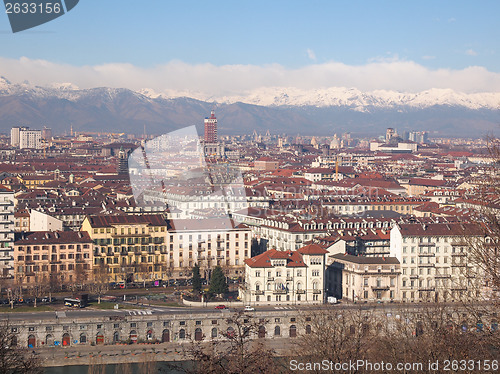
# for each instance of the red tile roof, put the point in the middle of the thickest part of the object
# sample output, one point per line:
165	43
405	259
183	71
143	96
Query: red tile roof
312	249
294	259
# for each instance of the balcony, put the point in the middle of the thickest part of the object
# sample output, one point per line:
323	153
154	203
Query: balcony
413	276
380	288
6	203
290	279
426	254
459	254
270	278
426	289
439	276
259	292
426	265
426	244
300	291
459	265
316	291
280	292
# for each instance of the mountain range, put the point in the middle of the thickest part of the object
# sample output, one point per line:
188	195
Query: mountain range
443	112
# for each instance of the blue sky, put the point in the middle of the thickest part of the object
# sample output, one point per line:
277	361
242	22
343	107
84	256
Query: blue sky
294	35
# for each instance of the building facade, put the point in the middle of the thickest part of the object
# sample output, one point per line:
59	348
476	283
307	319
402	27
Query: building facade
211	129
285	277
31	139
360	279
128	247
48	256
436	261
6	232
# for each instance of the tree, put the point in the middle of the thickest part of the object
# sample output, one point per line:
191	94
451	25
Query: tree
14	359
196	279
100	282
218	284
236	351
411	334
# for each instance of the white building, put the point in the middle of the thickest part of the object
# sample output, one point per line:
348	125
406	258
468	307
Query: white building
285	277
14	135
436	263
31	139
208	243
43	222
290	234
360	278
6	232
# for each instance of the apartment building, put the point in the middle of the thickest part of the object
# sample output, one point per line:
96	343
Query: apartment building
285	277
358	205
149	247
130	247
287	234
31	139
209	243
436	261
61	256
6	232
360	279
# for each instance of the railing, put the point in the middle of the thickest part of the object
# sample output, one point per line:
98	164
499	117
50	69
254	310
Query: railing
258	292
300	291
316	291
280	292
380	288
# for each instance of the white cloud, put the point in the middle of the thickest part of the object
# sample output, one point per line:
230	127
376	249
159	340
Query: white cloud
311	54
206	80
427	57
471	52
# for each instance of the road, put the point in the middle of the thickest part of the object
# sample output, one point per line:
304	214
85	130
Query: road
129	309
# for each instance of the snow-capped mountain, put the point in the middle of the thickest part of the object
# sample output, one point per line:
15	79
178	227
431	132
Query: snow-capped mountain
290	110
347	97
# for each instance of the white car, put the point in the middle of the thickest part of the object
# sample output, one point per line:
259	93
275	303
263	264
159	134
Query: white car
249	308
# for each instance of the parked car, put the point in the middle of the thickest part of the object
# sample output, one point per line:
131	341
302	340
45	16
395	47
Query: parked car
221	306
249	308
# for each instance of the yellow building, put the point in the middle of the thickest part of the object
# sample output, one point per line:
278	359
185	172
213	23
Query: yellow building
33	181
128	247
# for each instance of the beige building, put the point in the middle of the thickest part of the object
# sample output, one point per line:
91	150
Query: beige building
436	261
360	278
285	277
63	256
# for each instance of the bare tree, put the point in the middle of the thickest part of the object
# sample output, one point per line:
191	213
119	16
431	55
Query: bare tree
337	335
13	359
236	351
100	282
